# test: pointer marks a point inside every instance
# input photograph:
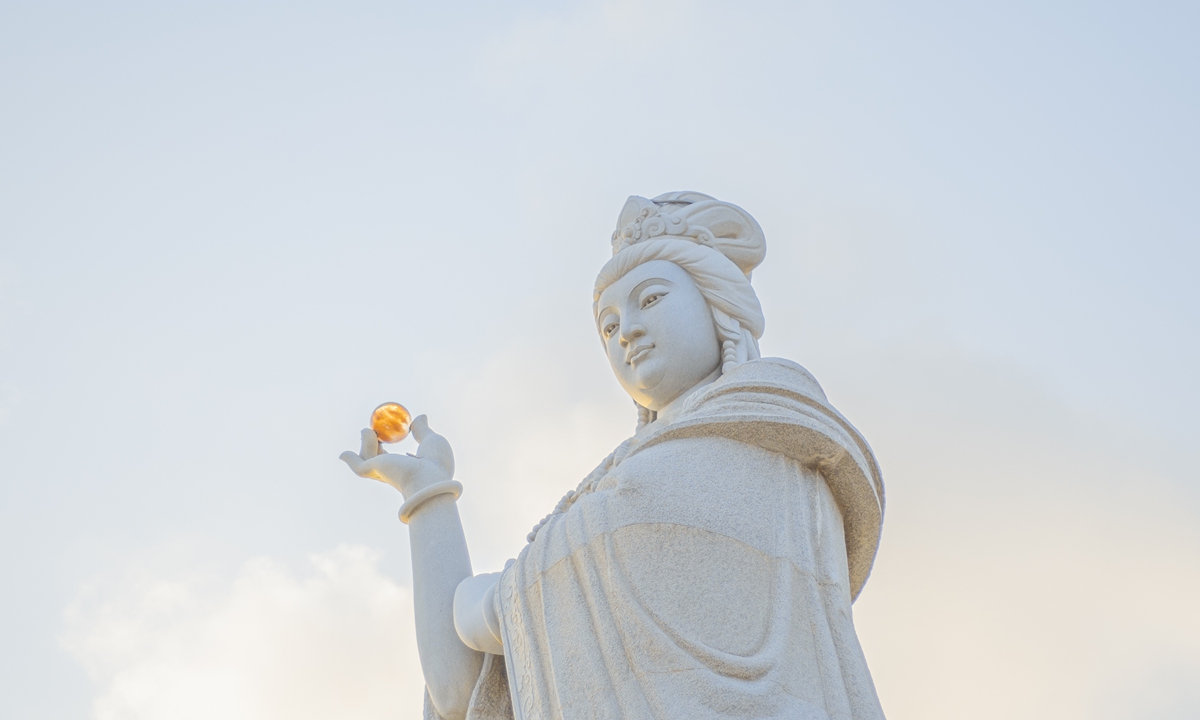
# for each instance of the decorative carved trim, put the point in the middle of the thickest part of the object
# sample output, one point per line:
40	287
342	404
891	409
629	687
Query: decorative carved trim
524	686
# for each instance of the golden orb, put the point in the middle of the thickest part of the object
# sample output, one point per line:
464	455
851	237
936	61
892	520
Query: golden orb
391	421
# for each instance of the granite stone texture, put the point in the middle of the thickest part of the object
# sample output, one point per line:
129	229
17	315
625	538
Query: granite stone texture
706	568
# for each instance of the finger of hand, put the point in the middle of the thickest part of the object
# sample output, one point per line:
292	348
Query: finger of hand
370	444
420	427
356	463
432	446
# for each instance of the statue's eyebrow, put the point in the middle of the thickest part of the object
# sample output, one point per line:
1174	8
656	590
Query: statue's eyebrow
637	290
603	311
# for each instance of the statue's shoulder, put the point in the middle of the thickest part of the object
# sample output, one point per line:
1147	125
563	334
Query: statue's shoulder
777	405
772	391
764	382
774	373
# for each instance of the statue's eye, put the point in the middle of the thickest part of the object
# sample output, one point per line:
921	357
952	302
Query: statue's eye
609	329
651	299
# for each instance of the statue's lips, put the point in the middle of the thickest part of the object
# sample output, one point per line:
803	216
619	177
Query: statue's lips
639	353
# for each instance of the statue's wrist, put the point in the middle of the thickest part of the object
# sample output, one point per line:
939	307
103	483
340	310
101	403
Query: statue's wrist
417	482
414	502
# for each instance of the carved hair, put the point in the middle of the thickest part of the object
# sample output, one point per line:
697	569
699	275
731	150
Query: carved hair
718	244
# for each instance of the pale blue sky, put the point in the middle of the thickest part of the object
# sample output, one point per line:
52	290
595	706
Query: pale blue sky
228	230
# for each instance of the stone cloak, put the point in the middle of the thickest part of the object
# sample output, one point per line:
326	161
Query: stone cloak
709	575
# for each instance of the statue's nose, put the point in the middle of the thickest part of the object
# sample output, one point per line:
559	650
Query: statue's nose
632	332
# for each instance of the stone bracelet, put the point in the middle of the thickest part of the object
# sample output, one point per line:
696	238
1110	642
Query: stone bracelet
446	487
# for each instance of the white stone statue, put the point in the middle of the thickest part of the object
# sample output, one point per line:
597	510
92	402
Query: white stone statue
706	568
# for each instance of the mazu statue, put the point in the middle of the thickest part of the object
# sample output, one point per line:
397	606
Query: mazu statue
707	567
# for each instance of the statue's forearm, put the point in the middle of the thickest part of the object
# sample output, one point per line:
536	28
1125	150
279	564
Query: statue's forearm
440	562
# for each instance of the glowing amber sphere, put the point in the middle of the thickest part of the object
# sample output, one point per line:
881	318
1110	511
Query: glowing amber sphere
391	421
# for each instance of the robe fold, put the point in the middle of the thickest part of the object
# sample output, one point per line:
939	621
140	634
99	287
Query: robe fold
710	574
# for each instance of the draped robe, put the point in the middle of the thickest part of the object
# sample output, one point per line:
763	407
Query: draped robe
710	574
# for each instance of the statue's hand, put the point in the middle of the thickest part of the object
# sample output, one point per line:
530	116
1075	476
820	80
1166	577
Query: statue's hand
433	463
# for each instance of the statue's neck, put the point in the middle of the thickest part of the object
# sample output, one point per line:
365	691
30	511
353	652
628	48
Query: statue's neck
666	414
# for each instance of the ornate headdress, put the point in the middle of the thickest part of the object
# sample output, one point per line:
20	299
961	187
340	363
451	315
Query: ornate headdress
701	218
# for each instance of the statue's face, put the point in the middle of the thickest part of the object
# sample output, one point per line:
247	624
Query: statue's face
659	333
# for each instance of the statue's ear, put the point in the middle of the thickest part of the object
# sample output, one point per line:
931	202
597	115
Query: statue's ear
734	232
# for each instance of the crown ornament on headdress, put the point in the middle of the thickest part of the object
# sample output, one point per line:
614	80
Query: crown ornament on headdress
693	216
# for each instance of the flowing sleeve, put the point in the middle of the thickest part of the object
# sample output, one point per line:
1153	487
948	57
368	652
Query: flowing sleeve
490	700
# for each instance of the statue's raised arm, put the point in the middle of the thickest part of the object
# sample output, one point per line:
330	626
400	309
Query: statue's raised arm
706	568
439	557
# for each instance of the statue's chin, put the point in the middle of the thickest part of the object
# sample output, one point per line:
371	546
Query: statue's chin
653	386
669	389
645	381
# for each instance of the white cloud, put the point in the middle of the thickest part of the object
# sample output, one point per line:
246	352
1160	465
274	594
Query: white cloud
336	641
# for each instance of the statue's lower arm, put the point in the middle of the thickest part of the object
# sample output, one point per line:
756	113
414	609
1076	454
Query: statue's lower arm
439	558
